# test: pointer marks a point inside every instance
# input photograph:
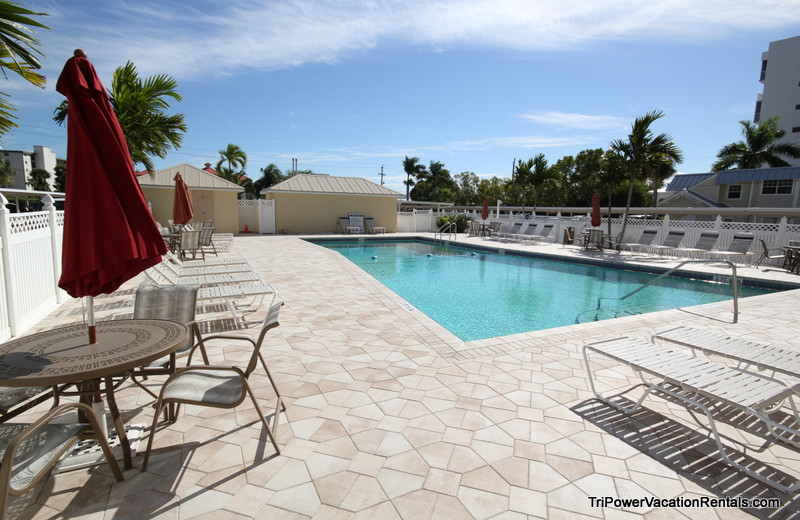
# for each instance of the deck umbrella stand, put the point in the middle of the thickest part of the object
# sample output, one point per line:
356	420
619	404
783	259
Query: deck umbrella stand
110	235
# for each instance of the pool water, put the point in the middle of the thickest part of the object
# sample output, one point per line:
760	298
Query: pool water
478	295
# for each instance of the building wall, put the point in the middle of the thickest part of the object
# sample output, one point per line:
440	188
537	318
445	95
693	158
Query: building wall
22	163
299	213
219	206
781	95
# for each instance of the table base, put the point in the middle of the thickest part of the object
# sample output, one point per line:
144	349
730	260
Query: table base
87	453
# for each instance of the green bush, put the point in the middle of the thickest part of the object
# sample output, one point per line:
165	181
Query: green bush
461	222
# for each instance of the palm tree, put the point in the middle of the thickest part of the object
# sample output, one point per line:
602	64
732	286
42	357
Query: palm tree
18	53
140	107
7	174
644	152
759	147
413	171
540	176
37	179
235	157
522	178
270	175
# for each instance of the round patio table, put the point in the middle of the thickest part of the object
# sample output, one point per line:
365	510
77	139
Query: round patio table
64	355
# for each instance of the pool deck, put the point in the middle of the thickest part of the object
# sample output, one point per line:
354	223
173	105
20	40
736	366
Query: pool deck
390	416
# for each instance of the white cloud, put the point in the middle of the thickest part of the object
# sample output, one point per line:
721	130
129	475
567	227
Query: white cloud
196	39
578	121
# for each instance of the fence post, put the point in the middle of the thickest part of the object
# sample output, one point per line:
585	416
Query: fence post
782	227
49	206
6	259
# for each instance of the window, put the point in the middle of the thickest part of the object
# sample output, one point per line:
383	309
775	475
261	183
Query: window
763	70
735	191
795	129
779	187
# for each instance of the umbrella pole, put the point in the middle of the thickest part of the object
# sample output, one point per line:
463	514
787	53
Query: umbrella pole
90	319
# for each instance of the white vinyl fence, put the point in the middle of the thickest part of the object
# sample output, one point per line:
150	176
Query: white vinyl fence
30	250
258	216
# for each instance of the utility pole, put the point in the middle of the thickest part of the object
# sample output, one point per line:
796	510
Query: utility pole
382	175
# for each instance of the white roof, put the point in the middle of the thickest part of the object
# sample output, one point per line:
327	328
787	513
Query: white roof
328	184
194	177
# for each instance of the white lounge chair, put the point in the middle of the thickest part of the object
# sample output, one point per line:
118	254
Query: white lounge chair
207	262
543	235
746	353
739	249
512	231
645	239
690	380
704	244
161	274
672	242
201	270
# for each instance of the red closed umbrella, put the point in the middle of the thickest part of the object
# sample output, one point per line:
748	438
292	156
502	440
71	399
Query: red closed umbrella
182	211
109	233
485	208
596	218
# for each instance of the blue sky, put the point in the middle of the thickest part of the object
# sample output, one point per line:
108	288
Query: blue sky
348	86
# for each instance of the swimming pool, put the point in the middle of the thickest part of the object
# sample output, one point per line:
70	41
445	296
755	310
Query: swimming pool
477	294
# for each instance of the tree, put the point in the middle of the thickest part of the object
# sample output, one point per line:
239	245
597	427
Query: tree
643	151
37	179
435	184
760	146
270	175
413	171
140	106
7	174
612	175
541	176
60	180
467	194
235	157
18	53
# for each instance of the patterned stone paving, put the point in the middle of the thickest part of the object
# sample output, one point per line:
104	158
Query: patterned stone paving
389	416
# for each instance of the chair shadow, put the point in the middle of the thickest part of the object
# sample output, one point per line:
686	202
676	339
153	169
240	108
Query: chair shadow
692	453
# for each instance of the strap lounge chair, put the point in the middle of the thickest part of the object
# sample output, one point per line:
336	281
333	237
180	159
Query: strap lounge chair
704	244
161	274
739	249
527	234
369	225
746	353
200	270
207	262
221	386
543	235
515	228
646	238
691	380
672	242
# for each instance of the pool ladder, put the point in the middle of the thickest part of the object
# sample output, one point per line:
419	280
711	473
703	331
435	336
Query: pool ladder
449	228
734	279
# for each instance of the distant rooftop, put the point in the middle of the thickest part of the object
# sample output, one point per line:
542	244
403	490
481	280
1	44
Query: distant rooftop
316	183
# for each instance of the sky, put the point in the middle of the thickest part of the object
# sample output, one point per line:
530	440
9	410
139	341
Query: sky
351	87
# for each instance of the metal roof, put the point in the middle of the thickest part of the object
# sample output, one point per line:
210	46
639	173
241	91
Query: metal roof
194	177
316	183
686	181
758	174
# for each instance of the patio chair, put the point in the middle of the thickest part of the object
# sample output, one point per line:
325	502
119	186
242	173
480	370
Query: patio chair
672	242
167	302
29	451
221	386
189	241
356	222
746	353
701	248
739	248
692	381
494	228
646	238
15	400
342	226
768	253
205	241
474	228
593	238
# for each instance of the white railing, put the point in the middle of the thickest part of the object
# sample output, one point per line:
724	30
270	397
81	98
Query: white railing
30	254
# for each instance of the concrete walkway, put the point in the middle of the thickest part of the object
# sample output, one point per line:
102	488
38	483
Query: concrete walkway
390	416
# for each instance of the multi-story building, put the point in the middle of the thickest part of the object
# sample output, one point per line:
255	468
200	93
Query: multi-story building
23	162
780	75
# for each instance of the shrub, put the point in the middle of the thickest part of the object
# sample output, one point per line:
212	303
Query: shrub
461	222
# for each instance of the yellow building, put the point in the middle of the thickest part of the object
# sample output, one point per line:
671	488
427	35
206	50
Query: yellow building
312	203
212	196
